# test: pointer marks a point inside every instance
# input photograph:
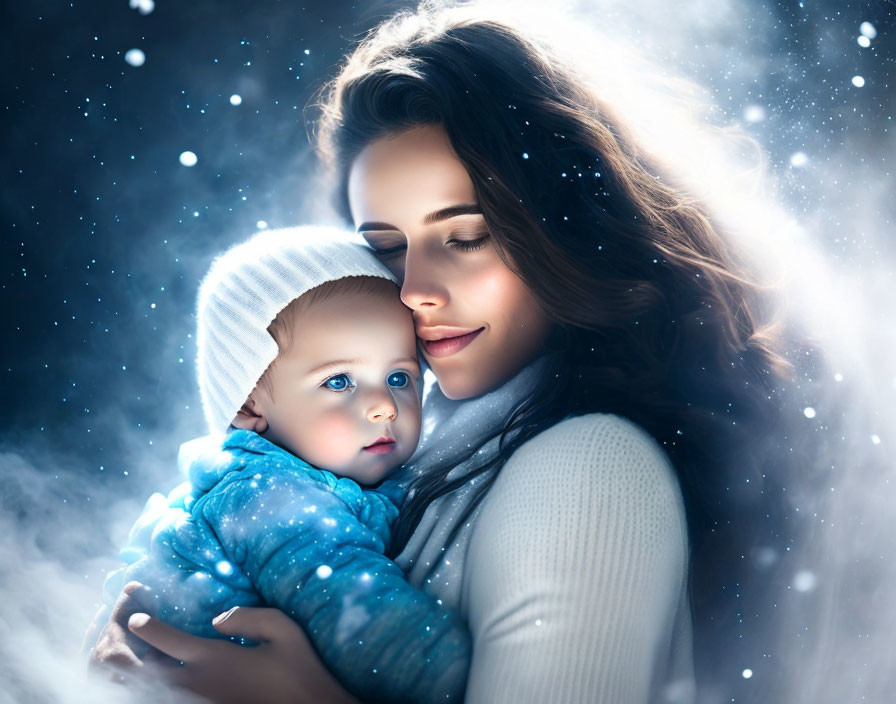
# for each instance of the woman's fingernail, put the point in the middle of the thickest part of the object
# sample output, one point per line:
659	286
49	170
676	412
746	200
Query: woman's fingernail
138	620
220	618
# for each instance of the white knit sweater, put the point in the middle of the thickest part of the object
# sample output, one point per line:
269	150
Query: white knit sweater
572	572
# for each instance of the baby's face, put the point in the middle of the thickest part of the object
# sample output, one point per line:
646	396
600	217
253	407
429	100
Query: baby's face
344	397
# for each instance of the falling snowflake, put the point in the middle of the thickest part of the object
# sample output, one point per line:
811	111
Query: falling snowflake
135	57
188	158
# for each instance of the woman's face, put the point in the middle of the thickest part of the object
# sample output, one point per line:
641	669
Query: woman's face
414	202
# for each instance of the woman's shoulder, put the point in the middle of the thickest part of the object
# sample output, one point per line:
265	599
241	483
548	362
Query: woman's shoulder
595	424
581	439
595	451
593	497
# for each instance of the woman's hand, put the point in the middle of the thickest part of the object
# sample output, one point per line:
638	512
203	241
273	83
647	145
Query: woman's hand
117	651
284	668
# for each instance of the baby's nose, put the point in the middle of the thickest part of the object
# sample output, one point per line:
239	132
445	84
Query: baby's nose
382	410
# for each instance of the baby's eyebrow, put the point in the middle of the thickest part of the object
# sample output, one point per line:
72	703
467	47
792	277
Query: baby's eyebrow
334	363
349	362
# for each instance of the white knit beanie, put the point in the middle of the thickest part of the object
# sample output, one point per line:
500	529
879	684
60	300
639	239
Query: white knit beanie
245	289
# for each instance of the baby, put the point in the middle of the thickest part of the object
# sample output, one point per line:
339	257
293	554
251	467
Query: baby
307	357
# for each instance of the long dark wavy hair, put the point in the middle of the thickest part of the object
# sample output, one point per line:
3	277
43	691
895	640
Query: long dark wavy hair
656	317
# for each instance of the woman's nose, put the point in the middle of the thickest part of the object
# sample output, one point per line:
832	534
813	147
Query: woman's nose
382	410
421	287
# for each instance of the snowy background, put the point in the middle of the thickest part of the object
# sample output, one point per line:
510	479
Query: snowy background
139	139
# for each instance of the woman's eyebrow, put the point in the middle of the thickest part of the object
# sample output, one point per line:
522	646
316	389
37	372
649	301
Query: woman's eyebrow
436	216
452	212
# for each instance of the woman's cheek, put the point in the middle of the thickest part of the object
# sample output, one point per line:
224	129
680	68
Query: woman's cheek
485	271
499	286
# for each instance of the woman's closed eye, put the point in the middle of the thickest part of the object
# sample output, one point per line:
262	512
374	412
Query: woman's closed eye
338	382
469	245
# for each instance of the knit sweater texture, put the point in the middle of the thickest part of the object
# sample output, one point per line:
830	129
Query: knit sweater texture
572	571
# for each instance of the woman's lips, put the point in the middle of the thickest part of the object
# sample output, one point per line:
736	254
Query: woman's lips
446	346
381	446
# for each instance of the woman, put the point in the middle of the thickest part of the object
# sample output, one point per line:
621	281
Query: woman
600	360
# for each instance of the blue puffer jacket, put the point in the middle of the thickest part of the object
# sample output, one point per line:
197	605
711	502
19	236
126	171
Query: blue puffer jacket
255	525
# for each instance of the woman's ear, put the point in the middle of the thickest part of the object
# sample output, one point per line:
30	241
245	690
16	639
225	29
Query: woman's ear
250	417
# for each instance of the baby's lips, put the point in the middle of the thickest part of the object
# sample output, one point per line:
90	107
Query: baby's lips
380	441
382	446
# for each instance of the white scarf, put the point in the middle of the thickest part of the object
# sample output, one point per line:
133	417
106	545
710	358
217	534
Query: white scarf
450	429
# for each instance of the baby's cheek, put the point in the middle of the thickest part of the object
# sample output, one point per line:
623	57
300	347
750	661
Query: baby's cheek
334	433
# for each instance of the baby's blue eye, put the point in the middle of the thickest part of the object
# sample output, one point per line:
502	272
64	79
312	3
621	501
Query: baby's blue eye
340	382
398	379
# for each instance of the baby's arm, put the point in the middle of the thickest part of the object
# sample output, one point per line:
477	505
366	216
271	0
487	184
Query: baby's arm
308	554
183	566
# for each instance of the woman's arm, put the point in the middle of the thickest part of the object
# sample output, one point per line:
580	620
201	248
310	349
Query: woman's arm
577	565
282	669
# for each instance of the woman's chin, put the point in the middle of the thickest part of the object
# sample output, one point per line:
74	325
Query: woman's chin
459	386
458	393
